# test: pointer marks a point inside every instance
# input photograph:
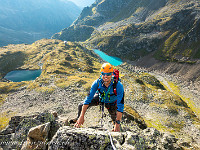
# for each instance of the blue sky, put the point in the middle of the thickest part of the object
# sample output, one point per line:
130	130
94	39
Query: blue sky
83	3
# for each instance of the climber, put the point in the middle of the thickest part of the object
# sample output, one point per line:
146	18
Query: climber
104	90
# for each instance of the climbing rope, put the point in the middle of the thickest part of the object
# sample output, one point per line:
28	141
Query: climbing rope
102	113
102	104
102	125
111	141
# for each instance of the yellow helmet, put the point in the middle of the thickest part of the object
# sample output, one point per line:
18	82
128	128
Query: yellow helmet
106	68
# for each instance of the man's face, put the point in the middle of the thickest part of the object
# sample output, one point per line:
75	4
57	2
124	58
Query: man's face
106	77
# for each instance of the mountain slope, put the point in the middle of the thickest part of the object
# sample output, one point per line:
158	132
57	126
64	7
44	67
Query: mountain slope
163	31
34	18
103	11
131	29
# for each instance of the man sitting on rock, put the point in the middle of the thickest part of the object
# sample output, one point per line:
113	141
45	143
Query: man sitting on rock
102	91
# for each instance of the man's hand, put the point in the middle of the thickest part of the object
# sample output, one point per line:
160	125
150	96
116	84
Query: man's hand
79	122
116	128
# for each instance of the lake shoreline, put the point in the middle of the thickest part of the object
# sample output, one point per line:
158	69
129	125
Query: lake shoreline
115	61
23	75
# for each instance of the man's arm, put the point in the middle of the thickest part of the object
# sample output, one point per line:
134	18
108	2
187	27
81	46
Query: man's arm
120	97
120	105
86	103
117	126
80	120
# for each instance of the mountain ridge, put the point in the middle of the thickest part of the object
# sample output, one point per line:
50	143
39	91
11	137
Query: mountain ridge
165	31
83	3
155	26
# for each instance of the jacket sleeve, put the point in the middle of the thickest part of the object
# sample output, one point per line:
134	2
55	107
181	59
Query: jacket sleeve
120	97
93	90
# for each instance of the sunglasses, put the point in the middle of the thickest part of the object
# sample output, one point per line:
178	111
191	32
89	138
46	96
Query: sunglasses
108	74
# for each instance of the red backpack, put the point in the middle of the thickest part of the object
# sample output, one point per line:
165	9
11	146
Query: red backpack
116	79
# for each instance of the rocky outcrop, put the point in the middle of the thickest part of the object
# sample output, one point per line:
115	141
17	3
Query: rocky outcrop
32	134
70	138
75	33
20	128
13	123
37	137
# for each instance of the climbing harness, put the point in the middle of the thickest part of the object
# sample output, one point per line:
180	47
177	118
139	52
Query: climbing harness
102	98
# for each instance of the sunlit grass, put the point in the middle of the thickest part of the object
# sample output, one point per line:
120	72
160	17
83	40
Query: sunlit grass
4	119
46	90
189	102
6	87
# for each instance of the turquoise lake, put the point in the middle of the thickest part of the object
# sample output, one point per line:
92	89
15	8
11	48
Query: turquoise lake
115	61
23	75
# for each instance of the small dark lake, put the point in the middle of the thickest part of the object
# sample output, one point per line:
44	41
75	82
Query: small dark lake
23	75
115	61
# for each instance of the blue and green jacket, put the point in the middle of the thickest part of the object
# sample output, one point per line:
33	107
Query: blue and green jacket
109	97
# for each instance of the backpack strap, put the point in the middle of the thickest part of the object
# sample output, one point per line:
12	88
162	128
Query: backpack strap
115	87
98	84
116	79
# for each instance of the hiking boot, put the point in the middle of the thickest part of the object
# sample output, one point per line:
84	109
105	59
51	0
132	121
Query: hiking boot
113	122
72	121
